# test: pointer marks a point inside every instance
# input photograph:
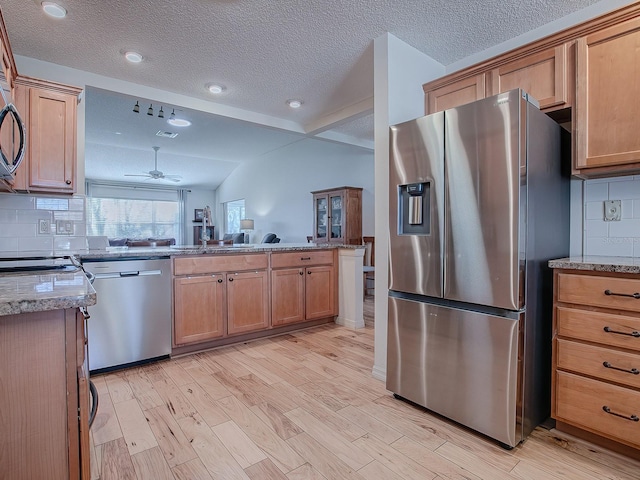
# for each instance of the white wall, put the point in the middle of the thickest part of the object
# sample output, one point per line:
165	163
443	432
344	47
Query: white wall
277	187
399	72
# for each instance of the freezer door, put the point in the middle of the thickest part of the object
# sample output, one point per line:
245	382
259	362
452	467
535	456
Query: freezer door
460	364
485	178
416	190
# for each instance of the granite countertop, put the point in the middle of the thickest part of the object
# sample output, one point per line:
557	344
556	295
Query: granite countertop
629	265
32	292
214	249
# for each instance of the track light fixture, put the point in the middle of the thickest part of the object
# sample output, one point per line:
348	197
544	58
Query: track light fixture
173	120
160	113
150	111
136	108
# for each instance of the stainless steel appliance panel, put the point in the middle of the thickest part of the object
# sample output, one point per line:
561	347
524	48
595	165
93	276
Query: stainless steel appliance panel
132	318
484	180
458	363
417	157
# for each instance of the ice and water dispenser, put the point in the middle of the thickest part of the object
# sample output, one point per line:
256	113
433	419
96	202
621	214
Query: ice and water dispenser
414	216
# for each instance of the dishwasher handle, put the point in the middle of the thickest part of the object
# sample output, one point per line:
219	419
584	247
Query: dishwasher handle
138	273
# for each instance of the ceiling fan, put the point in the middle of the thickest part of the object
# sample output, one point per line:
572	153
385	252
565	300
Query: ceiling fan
156	174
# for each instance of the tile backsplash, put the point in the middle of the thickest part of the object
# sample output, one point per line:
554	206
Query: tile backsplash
39	222
616	238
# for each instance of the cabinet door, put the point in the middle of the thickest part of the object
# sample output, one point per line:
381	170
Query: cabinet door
52	141
337	216
319	292
247	301
543	75
199	308
455	94
287	296
607	109
321	218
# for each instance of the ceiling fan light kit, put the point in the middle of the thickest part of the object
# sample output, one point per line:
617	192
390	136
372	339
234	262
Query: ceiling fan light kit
155	174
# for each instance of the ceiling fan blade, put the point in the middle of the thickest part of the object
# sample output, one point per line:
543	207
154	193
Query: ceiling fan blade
136	175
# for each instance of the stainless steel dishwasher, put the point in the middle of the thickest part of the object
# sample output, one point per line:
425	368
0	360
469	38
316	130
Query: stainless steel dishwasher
131	323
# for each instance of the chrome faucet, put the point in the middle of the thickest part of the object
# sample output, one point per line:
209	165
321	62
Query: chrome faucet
206	219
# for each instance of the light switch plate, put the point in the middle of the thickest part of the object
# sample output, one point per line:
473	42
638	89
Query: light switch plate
44	226
64	227
612	210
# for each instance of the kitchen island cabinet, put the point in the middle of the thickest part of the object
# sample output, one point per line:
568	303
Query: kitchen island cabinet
596	352
198	308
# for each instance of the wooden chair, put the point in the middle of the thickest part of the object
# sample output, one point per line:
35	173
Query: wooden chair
368	268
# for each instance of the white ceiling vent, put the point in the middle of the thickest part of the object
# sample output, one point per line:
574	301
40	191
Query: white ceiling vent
166	134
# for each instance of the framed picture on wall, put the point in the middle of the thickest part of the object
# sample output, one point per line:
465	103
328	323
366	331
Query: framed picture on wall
198	214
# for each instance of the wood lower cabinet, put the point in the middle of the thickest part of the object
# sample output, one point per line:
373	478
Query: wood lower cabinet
305	292
198	308
49	112
44	396
596	354
247	301
607	110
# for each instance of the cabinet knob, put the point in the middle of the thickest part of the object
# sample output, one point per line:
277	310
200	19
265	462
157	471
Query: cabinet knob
68	182
231	279
219	280
301	272
309	272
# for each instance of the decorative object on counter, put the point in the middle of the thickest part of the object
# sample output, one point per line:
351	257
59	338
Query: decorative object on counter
246	225
198	214
269	238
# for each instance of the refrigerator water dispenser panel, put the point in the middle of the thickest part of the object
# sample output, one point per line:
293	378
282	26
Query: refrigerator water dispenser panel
414	209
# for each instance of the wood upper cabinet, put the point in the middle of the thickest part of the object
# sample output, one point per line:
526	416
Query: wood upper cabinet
454	94
304	291
247	301
607	106
596	354
49	112
198	308
544	75
337	216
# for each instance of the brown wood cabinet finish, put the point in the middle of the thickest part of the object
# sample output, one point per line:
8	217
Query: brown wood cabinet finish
198	308
49	112
247	301
337	216
44	400
287	296
607	109
596	354
456	93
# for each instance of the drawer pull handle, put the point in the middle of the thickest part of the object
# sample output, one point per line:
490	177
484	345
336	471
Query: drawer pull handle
633	418
635	371
632	295
632	334
305	258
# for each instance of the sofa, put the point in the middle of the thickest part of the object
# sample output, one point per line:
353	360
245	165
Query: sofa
141	242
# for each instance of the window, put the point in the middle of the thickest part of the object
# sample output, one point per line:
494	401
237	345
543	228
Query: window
133	212
233	213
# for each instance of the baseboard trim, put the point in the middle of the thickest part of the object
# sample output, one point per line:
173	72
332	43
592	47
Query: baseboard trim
349	323
379	373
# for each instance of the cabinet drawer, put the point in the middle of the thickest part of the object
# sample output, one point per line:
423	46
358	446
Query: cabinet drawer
590	290
218	263
582	401
301	259
598	327
590	360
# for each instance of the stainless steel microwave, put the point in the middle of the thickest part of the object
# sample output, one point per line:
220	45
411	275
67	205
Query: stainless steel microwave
12	131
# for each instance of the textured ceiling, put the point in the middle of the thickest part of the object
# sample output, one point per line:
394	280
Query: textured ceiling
267	51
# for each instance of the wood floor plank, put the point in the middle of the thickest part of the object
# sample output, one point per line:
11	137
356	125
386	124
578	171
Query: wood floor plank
376	471
239	444
285	458
214	456
204	377
143	390
273	395
276	420
480	466
321	459
370	424
174	372
154	371
228	364
173	443
321	395
525	470
204	404
329	438
151	464
118	387
239	389
135	428
255	366
393	459
305	472
192	470
173	398
116	462
95	457
265	470
105	426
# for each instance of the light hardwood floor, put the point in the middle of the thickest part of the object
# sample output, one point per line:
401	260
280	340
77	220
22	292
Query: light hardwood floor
304	406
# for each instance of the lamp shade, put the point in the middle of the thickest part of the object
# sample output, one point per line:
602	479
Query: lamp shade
246	224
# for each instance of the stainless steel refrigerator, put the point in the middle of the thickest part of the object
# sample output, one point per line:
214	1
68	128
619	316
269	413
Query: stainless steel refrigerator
478	205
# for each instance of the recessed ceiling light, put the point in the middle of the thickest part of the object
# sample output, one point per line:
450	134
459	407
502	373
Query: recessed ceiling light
294	103
178	122
53	10
133	57
216	89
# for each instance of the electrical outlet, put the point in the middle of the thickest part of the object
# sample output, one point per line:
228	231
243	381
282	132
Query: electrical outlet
612	210
64	227
44	227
